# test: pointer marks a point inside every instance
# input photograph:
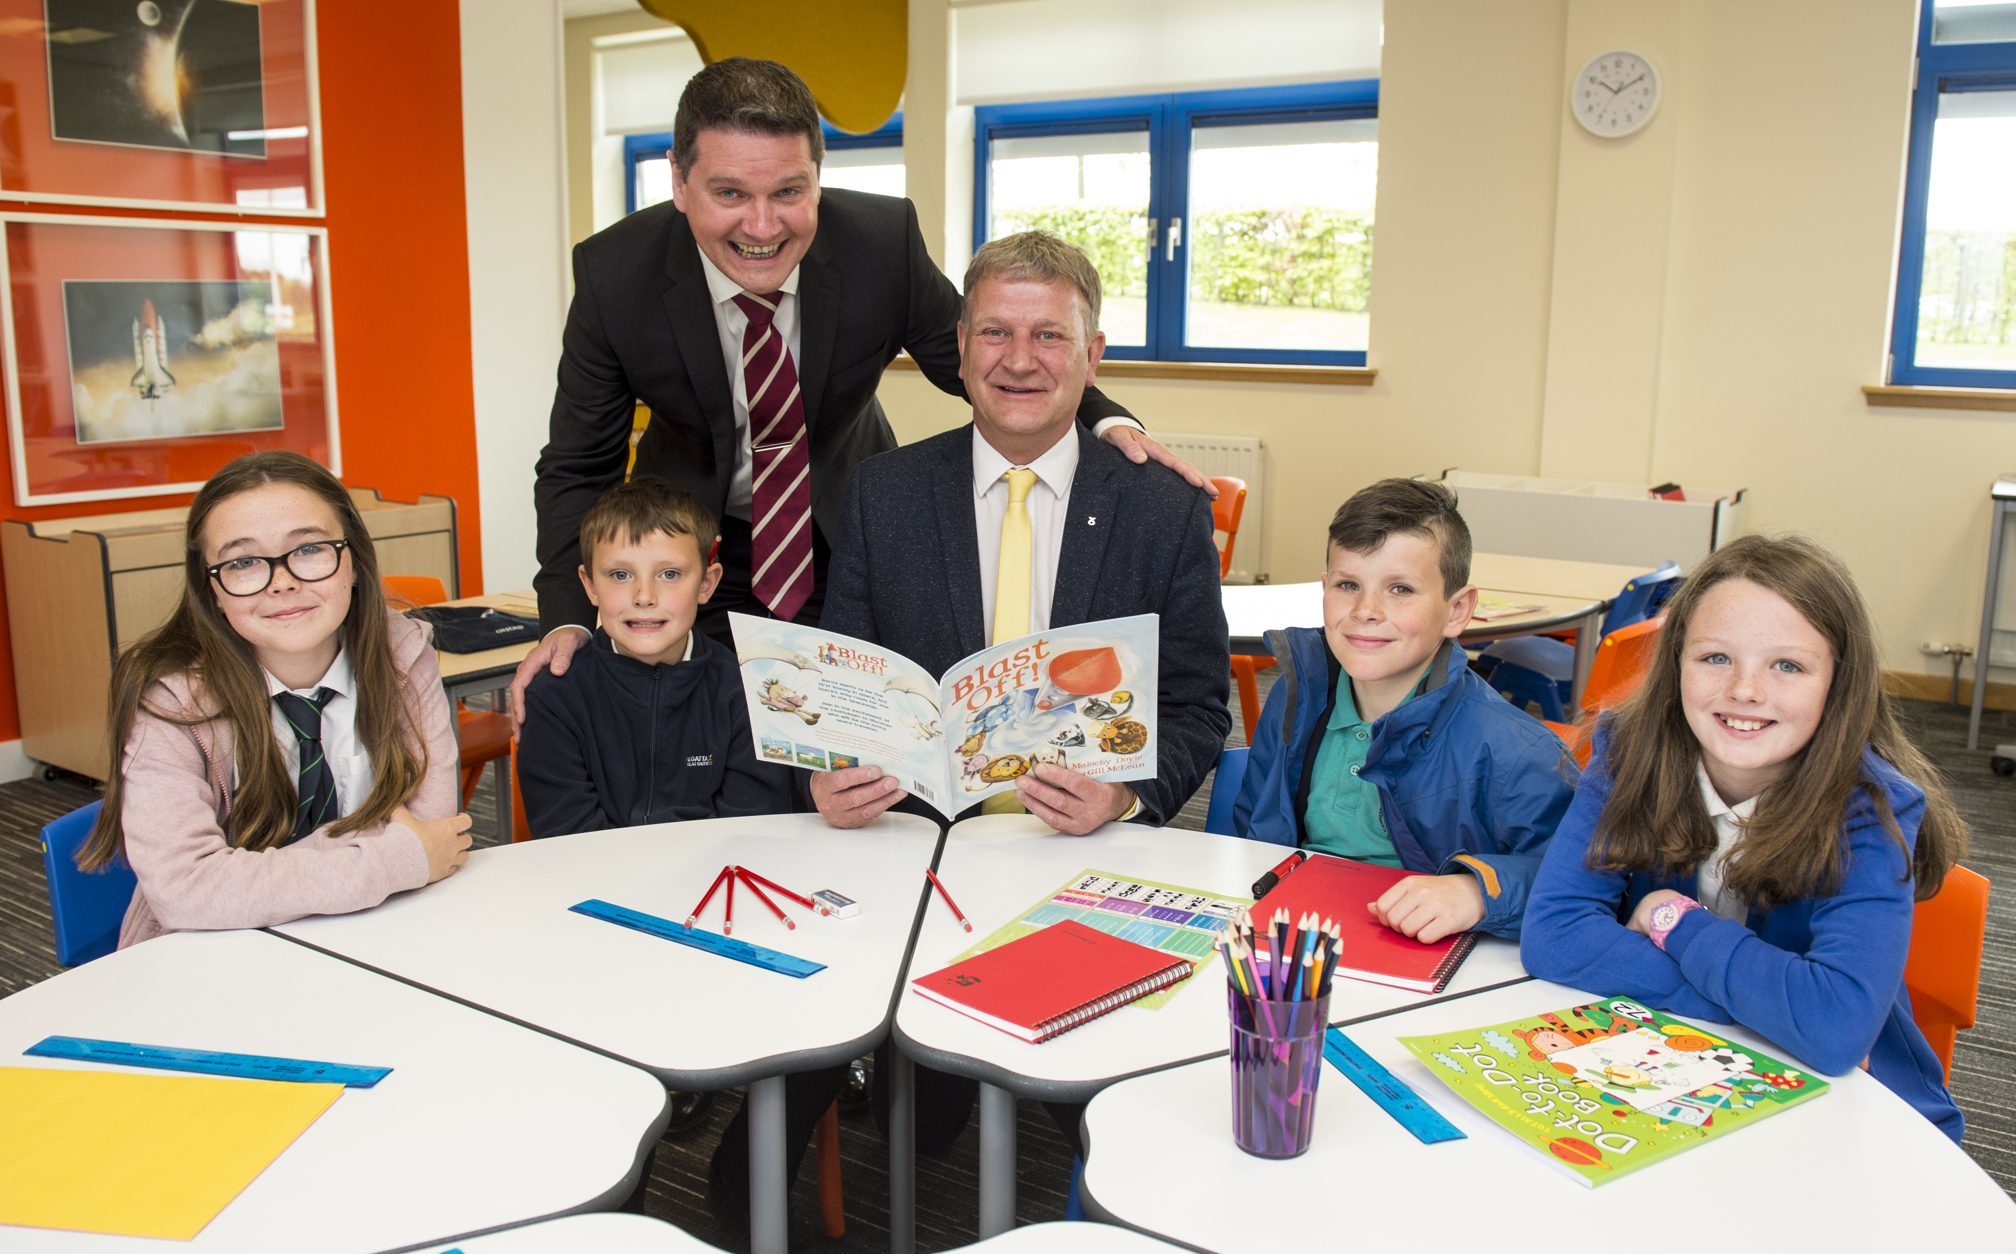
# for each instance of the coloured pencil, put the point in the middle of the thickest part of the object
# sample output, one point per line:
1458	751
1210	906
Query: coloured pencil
711	889
957	913
763	897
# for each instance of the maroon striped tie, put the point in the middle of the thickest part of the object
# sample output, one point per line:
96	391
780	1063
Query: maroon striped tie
780	508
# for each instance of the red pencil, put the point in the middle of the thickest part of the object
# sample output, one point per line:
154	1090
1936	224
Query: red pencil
728	911
775	887
750	878
711	888
956	912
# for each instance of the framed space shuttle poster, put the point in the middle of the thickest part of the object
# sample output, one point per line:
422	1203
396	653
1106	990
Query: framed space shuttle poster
142	355
161	104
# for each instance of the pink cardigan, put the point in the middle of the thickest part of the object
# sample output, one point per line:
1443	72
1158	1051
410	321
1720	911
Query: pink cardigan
178	792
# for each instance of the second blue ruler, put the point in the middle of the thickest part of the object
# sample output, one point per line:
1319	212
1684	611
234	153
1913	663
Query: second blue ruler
699	938
1389	1091
208	1062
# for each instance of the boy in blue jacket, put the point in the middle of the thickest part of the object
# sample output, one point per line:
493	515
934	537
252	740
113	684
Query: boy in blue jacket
648	724
1377	743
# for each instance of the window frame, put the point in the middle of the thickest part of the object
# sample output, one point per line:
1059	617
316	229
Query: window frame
1941	69
654	144
1168	119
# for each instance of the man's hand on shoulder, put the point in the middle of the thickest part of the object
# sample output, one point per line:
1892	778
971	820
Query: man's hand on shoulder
554	653
1074	804
856	796
1138	446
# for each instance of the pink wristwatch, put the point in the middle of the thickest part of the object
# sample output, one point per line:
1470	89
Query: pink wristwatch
1666	916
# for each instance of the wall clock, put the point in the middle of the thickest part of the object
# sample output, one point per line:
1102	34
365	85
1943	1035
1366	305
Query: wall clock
1615	94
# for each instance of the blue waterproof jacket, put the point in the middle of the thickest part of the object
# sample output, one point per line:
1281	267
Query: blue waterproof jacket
1823	977
1465	780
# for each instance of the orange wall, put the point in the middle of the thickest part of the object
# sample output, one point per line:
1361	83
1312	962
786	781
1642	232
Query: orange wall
391	78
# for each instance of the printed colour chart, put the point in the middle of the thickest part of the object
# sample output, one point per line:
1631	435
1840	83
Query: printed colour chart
1166	917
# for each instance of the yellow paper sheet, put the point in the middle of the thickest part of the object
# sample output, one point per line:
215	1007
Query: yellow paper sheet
144	1155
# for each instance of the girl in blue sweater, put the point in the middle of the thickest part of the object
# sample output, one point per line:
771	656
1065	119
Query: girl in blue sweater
1751	836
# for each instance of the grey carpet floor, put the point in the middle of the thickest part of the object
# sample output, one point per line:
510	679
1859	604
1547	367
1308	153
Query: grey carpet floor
947	1185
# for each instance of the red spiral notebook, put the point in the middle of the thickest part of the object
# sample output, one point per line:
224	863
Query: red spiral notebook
1051	981
1338	889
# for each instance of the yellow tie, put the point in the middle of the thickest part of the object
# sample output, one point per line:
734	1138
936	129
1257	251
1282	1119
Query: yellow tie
1011	592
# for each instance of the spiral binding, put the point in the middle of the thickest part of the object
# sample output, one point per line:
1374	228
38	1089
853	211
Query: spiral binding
1059	1024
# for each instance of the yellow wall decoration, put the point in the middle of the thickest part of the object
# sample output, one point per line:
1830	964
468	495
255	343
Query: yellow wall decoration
852	55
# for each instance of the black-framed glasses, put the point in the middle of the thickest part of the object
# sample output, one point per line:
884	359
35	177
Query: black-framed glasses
249	575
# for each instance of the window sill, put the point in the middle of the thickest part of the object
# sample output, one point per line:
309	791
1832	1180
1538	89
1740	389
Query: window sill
1884	396
1201	371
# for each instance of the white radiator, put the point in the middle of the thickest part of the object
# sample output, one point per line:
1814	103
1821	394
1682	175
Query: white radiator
1238	456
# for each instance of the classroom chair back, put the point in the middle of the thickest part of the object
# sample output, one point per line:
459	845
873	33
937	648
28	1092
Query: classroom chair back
1226	512
1943	970
1622	662
414	590
1225	790
1541	669
1643	597
85	906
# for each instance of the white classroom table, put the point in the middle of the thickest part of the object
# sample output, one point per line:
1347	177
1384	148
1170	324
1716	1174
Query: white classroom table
498	934
481	1124
605	1232
1854	1169
1069	1238
997	866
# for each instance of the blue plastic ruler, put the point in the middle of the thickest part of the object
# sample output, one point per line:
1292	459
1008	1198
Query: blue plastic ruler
208	1062
1388	1090
699	938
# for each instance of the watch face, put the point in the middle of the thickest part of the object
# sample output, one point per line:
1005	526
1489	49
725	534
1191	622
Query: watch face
1665	916
1615	94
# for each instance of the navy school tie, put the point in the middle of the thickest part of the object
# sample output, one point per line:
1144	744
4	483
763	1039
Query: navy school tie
317	783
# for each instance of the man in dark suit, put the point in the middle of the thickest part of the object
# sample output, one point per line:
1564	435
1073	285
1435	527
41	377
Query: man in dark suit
1022	522
916	566
749	284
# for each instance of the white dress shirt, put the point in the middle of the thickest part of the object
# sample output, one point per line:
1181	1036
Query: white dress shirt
1729	821
348	762
730	322
1049	507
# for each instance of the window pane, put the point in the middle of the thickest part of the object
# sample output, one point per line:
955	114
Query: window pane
654	181
1093	191
1967	298
878	170
1973	21
1280	234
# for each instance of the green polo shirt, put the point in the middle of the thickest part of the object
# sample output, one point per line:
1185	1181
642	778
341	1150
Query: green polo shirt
1344	817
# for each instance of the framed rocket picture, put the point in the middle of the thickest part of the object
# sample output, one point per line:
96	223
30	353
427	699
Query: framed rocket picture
161	103
142	355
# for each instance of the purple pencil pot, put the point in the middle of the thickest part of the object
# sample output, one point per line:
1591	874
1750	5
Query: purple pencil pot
1277	1057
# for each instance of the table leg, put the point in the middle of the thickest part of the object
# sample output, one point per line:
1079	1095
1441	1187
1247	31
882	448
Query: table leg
1988	598
997	1161
504	824
768	1198
902	1083
1588	634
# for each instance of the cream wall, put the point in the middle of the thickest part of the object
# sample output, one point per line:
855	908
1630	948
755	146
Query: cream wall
1700	302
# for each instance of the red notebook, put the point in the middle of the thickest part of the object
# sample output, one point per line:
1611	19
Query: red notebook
1338	889
1051	981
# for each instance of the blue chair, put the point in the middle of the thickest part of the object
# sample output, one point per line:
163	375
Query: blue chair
1541	669
1225	790
86	906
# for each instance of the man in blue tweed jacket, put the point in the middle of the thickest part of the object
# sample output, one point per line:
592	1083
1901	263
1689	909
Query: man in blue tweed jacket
918	555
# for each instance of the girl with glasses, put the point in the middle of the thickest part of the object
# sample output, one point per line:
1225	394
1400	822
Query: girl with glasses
283	745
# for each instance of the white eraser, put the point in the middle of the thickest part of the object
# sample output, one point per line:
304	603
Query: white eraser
840	905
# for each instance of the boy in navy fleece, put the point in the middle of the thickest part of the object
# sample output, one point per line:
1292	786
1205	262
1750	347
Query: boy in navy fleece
648	724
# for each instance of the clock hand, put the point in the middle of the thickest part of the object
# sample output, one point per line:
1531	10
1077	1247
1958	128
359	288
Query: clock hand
1607	87
1633	83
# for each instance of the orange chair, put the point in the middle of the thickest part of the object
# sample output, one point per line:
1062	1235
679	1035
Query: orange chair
1621	663
1943	970
482	735
1226	512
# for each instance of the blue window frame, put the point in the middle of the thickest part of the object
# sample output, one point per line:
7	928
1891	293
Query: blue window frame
640	150
1955	319
1191	272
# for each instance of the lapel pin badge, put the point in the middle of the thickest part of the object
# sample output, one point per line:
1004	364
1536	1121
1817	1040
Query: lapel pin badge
1091	520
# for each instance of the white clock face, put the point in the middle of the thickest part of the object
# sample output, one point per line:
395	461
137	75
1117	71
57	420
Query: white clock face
1615	94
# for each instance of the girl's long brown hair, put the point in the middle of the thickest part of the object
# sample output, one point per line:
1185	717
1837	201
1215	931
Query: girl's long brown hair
1655	819
198	641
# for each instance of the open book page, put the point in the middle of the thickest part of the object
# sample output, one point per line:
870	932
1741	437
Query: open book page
1081	696
823	701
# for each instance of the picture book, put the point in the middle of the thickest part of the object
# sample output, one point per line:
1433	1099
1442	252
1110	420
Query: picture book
1491	608
1185	922
1082	696
1052	980
1606	1088
1339	889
